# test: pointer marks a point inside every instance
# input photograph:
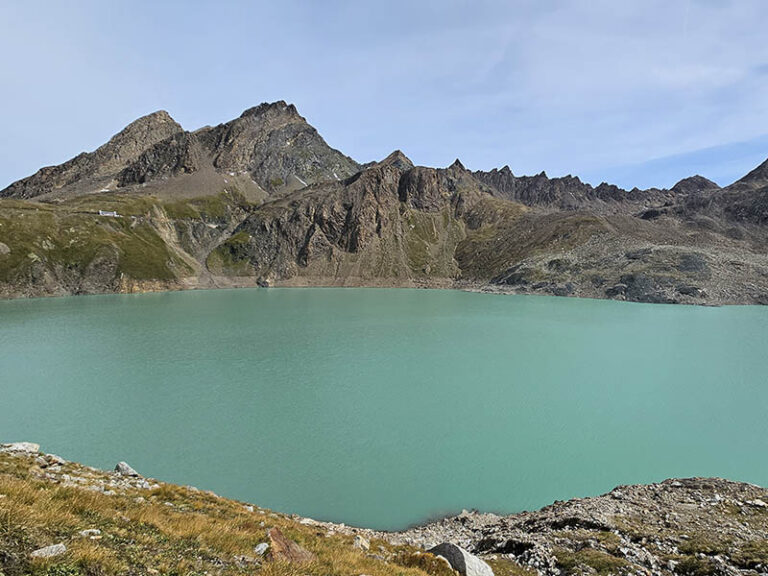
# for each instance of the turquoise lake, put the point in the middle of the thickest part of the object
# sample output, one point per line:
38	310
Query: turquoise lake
387	407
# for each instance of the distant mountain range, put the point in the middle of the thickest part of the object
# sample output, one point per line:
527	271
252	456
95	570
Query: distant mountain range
263	200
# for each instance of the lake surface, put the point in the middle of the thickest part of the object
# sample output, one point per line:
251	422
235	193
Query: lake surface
385	407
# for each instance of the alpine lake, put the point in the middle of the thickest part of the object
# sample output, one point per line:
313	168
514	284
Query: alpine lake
388	407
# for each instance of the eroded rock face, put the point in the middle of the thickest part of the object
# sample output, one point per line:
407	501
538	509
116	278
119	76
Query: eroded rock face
179	154
392	219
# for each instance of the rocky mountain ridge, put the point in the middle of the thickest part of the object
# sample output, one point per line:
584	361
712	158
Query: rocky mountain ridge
95	168
263	200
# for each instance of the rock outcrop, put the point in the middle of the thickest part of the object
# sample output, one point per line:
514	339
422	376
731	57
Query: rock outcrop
124	469
462	561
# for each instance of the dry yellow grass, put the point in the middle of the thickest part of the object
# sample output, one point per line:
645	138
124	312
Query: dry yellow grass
170	531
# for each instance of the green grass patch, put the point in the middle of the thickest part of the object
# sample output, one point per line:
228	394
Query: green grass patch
694	566
66	241
505	567
752	555
231	257
602	563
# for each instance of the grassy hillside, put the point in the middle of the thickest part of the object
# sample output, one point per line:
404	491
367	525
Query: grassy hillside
157	528
105	523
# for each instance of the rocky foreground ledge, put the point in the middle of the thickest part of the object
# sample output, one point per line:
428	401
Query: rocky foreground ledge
59	518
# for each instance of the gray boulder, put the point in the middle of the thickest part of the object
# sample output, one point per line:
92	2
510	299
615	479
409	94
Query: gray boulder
462	561
124	469
49	551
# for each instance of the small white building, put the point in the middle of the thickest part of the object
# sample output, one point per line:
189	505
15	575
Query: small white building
112	213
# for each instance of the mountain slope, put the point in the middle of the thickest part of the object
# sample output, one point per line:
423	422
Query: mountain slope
94	169
263	200
62	518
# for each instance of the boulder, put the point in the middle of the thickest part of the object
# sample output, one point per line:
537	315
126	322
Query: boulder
361	543
261	548
124	469
616	290
281	548
49	551
25	447
462	561
4	249
55	460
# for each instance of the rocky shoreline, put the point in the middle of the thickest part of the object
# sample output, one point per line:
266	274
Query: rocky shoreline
694	526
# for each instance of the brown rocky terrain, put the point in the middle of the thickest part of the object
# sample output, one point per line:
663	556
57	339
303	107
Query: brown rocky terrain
263	200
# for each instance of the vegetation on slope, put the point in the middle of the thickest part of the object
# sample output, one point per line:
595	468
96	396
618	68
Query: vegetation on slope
162	529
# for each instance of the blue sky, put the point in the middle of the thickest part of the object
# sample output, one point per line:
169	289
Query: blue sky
633	92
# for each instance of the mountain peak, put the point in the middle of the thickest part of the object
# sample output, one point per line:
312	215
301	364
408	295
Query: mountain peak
757	178
694	184
457	165
398	160
90	169
279	108
156	116
150	128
